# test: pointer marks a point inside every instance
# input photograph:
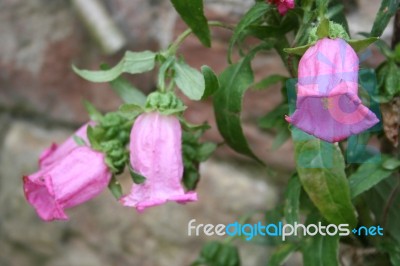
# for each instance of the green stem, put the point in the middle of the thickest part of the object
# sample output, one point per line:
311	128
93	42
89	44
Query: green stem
175	45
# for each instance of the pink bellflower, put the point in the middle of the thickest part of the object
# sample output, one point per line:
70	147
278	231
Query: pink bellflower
283	5
156	154
68	176
328	106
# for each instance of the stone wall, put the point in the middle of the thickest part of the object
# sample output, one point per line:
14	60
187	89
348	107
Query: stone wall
40	102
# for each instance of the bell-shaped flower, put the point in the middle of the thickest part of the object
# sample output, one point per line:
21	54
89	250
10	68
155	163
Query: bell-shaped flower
328	105
54	153
69	181
156	154
283	5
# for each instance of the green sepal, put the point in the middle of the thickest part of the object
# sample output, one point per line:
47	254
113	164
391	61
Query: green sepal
115	188
137	178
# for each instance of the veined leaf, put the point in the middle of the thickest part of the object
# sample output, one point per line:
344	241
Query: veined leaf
193	14
321	251
132	62
386	11
234	81
254	14
189	80
368	175
320	166
292	202
211	82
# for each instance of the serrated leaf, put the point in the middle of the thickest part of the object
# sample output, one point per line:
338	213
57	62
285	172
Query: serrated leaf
359	45
367	175
281	254
132	62
193	14
292	200
189	80
321	251
320	166
234	81
210	80
386	11
251	16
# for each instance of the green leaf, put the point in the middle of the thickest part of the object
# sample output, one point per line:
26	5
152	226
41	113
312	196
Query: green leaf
275	118
193	14
115	187
130	111
320	166
367	175
281	254
254	14
269	81
321	251
359	45
383	200
300	50
132	62
391	247
323	29
391	164
282	136
292	200
189	80
386	11
218	254
210	80
227	101
125	90
205	151
392	79
94	114
137	178
79	141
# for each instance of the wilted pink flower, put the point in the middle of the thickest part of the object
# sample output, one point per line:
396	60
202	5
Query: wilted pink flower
156	153
283	5
328	106
71	180
54	153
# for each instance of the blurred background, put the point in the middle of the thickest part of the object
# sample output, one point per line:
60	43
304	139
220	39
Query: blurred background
41	102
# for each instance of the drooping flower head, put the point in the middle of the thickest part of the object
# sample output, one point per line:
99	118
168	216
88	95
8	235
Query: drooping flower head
283	5
68	176
328	106
156	154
